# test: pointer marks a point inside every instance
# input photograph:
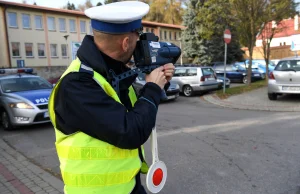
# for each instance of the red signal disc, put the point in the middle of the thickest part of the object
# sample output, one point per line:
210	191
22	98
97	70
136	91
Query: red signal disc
157	176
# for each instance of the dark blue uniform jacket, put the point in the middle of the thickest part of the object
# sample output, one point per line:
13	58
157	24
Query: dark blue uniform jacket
82	104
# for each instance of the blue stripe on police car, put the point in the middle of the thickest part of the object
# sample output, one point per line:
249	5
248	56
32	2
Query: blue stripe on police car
36	96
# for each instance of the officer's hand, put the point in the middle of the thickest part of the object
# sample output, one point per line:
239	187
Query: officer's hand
169	71
157	76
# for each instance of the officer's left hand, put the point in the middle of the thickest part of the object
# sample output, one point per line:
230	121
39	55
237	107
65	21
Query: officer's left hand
169	71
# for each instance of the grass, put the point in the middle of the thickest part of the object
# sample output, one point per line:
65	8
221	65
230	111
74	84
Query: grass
241	89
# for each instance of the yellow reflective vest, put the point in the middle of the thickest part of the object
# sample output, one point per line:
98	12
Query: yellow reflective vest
89	165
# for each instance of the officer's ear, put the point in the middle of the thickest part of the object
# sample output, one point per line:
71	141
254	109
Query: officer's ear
125	43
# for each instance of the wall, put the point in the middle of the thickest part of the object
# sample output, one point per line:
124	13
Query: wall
4	58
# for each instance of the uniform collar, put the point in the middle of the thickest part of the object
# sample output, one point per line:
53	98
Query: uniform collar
89	54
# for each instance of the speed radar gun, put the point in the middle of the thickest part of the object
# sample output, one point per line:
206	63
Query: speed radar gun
148	55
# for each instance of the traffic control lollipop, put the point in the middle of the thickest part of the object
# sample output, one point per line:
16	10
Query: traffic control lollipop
157	173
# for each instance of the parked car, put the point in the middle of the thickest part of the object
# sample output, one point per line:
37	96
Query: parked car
220	79
23	98
237	73
260	65
285	79
171	94
192	79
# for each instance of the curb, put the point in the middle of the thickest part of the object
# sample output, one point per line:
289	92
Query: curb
214	99
47	177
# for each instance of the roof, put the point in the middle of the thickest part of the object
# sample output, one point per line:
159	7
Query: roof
284	29
290	58
78	13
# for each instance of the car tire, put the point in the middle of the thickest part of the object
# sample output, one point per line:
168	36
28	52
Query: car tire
187	91
245	80
5	121
272	96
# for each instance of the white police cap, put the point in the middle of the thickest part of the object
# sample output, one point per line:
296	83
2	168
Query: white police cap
119	17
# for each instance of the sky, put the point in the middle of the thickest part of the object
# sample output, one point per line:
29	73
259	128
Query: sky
55	3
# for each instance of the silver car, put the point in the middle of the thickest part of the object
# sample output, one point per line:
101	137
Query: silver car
23	100
195	79
285	79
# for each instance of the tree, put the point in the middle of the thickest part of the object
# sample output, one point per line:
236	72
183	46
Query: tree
203	38
252	16
86	5
284	9
34	3
110	1
165	11
99	4
69	6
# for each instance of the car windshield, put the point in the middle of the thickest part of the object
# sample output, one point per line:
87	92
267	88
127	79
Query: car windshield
289	65
20	84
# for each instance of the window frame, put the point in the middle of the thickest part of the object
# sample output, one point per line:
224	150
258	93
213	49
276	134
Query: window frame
61	47
53	56
81	26
8	18
74	25
42	24
54	23
19	48
65	24
29	56
29	16
44	50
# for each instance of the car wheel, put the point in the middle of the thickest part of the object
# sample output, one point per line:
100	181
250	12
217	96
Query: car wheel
272	96
188	91
6	121
245	80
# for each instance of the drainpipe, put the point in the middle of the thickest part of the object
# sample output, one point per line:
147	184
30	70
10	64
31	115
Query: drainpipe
6	32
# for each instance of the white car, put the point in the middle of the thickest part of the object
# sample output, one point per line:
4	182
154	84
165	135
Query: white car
285	79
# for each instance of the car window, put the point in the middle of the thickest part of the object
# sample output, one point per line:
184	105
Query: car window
292	65
191	72
24	84
207	71
179	72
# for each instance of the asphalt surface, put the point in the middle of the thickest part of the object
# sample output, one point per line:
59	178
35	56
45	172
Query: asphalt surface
207	149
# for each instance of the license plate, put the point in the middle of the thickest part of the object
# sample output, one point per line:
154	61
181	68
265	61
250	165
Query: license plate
291	88
256	75
46	114
171	97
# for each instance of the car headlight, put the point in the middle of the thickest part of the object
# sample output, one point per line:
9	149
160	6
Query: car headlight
22	105
244	73
219	80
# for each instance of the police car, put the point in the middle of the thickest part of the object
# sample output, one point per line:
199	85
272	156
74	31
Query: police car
23	98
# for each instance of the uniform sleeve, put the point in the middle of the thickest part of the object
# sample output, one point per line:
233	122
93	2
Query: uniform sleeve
84	105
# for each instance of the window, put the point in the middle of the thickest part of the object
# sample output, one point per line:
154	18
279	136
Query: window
38	22
64	51
165	35
51	23
170	35
26	20
72	26
191	72
175	35
15	47
82	27
91	29
208	71
41	50
180	72
152	30
24	84
12	19
147	29
28	50
62	24
53	50
160	34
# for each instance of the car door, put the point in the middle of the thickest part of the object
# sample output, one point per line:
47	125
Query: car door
179	77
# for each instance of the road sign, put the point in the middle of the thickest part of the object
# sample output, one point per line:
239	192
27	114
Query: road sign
157	173
227	36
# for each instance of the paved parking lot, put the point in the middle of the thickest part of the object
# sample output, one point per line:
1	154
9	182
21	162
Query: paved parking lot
258	100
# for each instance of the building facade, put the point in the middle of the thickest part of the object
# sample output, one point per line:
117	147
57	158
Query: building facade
47	38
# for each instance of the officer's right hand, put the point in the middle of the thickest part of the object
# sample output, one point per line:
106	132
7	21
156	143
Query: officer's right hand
157	76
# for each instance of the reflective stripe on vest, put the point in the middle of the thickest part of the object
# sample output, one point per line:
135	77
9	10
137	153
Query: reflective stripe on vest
89	165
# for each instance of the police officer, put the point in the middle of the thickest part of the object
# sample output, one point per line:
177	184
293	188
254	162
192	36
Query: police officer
100	135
